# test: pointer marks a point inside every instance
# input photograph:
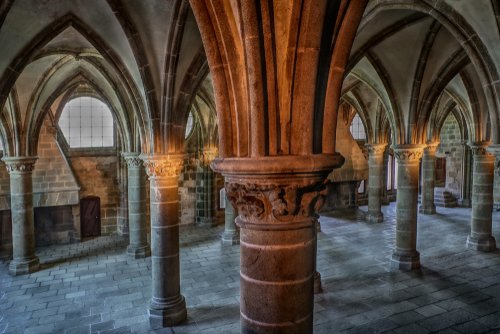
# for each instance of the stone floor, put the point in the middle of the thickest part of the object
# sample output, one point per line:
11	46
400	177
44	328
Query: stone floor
92	287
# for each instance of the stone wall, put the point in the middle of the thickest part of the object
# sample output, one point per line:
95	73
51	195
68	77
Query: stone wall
452	149
187	191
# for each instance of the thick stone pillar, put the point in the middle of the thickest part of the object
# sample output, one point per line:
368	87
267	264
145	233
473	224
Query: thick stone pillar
231	234
168	306
480	237
428	176
406	256
375	182
20	170
276	199
138	244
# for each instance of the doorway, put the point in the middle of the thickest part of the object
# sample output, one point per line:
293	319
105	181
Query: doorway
90	216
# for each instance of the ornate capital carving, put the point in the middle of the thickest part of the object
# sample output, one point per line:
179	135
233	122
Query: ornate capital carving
20	164
268	203
163	165
376	149
480	148
132	159
207	156
277	190
408	153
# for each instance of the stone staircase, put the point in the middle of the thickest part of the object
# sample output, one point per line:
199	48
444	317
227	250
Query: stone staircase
444	198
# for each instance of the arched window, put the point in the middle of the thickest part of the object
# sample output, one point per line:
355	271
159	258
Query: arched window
189	125
357	128
87	122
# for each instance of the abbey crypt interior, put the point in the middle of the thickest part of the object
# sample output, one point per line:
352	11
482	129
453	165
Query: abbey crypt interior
249	166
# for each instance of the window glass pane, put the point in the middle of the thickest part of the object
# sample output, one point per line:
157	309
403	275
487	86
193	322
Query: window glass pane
189	125
357	128
82	121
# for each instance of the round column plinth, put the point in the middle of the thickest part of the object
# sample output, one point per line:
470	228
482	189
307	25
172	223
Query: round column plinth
24	266
405	261
167	313
483	244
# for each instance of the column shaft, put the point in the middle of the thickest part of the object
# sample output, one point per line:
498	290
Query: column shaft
23	226
231	235
406	256
276	201
168	306
375	182
138	245
481	237
428	177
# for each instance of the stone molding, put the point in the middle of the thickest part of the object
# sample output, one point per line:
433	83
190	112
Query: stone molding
20	164
376	149
408	153
132	159
163	165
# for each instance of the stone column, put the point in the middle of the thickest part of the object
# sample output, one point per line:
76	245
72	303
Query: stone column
375	182
406	256
138	244
231	235
20	170
168	306
276	199
385	194
467	179
428	176
204	189
480	237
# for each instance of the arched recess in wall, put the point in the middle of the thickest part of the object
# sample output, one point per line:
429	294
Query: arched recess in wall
111	64
67	75
476	52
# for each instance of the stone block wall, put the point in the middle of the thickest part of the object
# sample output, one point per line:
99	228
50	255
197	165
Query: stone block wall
452	148
187	191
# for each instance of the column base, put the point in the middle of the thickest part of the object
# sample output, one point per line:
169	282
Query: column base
318	226
167	314
139	252
487	244
405	260
230	238
374	217
23	267
317	283
427	210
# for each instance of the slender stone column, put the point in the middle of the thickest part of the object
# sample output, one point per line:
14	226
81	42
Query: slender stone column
385	194
406	256
138	244
480	237
276	199
168	306
23	225
375	182
205	204
231	235
428	176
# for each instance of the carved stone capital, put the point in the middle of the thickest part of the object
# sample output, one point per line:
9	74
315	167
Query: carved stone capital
431	147
207	156
132	159
163	165
20	164
479	148
408	153
376	149
276	190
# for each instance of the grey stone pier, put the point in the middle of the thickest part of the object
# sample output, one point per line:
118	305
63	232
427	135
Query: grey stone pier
168	307
405	255
480	237
428	177
138	244
375	182
231	234
24	260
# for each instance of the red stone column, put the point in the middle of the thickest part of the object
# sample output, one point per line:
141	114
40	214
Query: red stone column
168	306
480	237
276	198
